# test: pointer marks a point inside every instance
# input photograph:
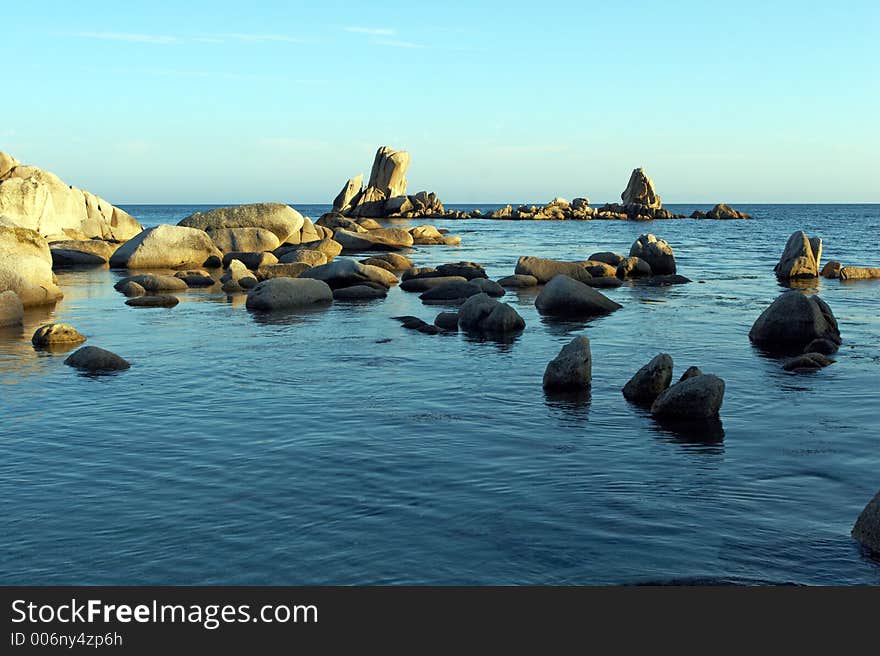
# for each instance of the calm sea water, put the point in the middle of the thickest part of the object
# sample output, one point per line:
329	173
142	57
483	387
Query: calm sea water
305	448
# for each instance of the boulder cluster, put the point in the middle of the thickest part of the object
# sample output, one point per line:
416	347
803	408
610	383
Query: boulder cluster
695	397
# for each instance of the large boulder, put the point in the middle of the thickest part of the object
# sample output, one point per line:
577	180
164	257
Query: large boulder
39	200
237	277
450	292
154	282
385	239
722	211
859	273
423	284
545	270
800	258
280	219
695	398
793	321
153	301
369	203
484	315
343	201
26	266
286	293
867	526
650	381
469	270
389	172
572	368
230	240
53	334
328	247
94	359
656	252
564	296
167	247
347	273
85	252
11	309
640	191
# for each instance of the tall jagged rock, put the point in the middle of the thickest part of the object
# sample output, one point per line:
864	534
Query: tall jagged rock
640	191
346	198
39	200
389	172
801	257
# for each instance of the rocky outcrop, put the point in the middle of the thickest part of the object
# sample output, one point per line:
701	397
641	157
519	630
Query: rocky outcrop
484	315
518	281
95	360
81	253
545	270
867	526
656	252
695	398
11	309
650	381
389	172
350	191
26	266
564	296
287	293
154	282
390	261
793	321
39	200
348	273
859	273
572	368
53	334
640	191
237	277
230	240
720	212
800	258
386	239
281	220
167	247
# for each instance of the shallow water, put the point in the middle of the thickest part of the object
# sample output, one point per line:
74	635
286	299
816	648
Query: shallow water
305	448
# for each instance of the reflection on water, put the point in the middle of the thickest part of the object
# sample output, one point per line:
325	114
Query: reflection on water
331	445
705	432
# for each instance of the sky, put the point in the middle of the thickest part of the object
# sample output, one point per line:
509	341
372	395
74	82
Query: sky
231	102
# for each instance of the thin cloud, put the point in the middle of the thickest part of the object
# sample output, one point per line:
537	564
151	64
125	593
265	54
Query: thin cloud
373	31
391	43
256	38
129	37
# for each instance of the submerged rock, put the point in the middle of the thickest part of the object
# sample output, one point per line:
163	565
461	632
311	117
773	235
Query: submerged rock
564	296
831	270
447	320
859	273
154	282
800	258
697	397
56	333
650	381
867	527
545	270
286	293
94	359
457	290
192	278
794	320
467	270
360	293
485	315
656	252
807	362
518	281
82	253
130	288
572	368
347	273
153	301
423	284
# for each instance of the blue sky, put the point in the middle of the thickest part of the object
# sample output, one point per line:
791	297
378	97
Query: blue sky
496	101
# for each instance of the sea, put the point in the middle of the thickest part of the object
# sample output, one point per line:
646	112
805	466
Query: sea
334	446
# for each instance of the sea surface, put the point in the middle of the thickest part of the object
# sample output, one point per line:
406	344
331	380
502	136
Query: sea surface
336	447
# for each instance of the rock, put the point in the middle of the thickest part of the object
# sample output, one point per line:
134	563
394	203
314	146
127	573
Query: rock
285	293
396	261
251	260
484	315
238	240
801	257
489	287
94	359
823	346
398	205
359	293
859	273
56	333
167	247
792	321
386	239
640	191
343	201
572	368
518	281
375	261
237	277
565	296
690	372
599	269
333	221
410	322
426	235
722	211
667	280
347	273
807	362
328	247
450	291
389	172
38	200
447	321
633	267
468	270
26	266
130	289
650	381
309	232
420	272
545	270
604	282
280	219
87	252
11	309
451	240
371	202
656	252
424	284
192	278
312	258
831	270
291	270
698	397
154	282
153	301
607	257
369	224
867	526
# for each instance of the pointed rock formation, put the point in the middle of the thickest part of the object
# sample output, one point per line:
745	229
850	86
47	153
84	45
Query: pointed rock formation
801	257
389	171
347	197
640	191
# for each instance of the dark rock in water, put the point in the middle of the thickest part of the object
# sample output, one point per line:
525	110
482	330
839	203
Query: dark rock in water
800	258
572	368
129	288
155	301
545	270
792	321
272	271
656	252
605	282
429	329
447	320
251	260
831	270
859	273
633	267
360	293
420	272
196	278
807	362
698	397
722	211
823	346
867	526
468	270
348	273
665	281
92	358
614	259
450	291
650	381
485	315
430	282
564	296
487	286
375	261
599	269
518	281
410	322
287	293
690	372
154	282
698	214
